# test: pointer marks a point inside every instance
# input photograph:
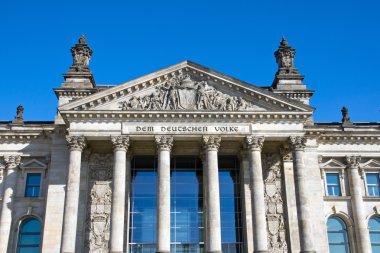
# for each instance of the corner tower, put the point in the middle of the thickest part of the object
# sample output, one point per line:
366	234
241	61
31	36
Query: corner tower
288	81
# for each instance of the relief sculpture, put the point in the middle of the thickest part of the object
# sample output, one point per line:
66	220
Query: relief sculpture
183	93
274	201
99	203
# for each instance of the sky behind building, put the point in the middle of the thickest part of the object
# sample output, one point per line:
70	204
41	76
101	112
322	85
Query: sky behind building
336	46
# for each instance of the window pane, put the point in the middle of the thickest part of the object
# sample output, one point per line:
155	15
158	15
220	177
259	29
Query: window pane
29	238
32	188
337	235
333	184
372	178
374	233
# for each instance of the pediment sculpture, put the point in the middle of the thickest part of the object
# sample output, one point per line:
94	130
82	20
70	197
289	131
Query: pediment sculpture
182	93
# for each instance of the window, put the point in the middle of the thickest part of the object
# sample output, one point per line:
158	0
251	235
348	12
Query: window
29	238
33	185
333	184
337	235
374	233
373	184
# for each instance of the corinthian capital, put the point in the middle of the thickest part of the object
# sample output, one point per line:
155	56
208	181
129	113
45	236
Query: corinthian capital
164	142
353	161
76	142
120	142
211	142
255	142
298	142
12	161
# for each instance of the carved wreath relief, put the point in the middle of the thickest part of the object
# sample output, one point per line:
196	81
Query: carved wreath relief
274	204
183	93
99	203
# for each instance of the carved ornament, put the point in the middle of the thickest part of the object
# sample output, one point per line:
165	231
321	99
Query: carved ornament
164	142
182	93
77	143
211	142
353	161
120	142
255	142
298	142
12	161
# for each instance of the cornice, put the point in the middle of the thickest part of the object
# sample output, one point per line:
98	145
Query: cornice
342	137
249	117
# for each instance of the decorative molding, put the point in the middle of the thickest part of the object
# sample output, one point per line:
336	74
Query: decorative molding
211	142
298	142
255	142
286	154
164	142
77	143
120	142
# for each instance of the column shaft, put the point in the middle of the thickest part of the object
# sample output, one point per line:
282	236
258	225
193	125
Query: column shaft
255	144
361	227
76	144
121	144
8	201
164	145
213	227
303	207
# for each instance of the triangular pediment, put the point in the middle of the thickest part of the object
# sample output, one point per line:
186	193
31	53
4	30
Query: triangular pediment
372	163
186	87
333	164
33	164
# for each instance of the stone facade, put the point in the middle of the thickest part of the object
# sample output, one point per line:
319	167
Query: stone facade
84	159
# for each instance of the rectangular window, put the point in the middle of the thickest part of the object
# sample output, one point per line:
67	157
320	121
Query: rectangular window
373	184
33	185
333	184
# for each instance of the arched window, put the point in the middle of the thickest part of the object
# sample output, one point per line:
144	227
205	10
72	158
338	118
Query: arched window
337	234
374	233
29	237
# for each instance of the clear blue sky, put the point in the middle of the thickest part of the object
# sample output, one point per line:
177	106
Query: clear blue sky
337	45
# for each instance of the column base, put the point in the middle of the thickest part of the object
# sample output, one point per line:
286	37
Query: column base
260	251
162	251
215	251
117	252
308	251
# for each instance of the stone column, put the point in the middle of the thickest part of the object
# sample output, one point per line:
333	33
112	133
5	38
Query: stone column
304	220
355	182
164	145
205	188
259	224
11	164
213	229
76	145
120	147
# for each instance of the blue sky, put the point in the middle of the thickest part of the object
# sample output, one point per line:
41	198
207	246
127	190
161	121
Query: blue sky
336	43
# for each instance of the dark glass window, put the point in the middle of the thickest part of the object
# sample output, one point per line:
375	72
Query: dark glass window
186	204
33	185
374	233
230	204
29	237
143	205
337	235
373	184
333	184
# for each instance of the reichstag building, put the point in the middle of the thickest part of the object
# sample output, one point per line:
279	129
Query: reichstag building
188	160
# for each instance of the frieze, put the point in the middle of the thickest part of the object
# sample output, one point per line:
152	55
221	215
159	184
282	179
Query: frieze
274	204
183	93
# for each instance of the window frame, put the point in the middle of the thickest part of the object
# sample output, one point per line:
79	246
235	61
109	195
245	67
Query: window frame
26	184
348	229
33	166
340	173
376	231
20	222
366	182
